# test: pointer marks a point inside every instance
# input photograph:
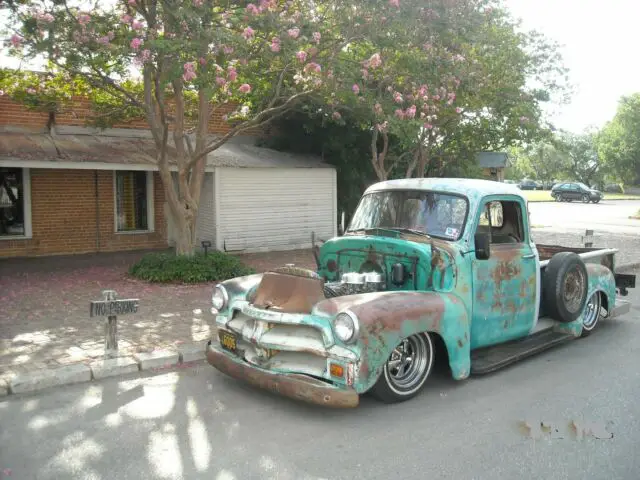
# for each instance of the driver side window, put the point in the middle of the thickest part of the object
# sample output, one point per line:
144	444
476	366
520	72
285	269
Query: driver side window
503	221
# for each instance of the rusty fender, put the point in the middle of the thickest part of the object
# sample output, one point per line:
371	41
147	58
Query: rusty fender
385	318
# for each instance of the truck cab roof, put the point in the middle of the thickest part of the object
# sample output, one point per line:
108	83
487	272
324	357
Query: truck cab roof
464	186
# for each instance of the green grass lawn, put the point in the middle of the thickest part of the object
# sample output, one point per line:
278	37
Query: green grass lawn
545	196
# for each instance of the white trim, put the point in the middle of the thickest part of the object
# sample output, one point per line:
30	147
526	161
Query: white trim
216	207
18	163
334	193
26	191
150	206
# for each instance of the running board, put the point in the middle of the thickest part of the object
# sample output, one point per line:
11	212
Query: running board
488	359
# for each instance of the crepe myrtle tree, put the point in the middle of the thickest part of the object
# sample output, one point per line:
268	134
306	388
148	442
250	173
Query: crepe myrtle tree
177	62
451	67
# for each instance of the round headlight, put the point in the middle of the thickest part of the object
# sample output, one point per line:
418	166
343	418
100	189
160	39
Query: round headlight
345	326
219	299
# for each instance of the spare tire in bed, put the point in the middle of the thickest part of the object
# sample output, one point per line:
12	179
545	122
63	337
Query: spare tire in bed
565	287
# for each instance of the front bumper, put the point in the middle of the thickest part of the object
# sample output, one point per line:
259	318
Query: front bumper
297	387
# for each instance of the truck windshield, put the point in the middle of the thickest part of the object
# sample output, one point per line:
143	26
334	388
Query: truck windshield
436	214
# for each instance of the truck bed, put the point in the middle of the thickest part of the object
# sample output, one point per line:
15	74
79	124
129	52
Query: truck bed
603	256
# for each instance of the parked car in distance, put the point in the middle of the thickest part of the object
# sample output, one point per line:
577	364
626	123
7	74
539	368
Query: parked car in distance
569	191
529	185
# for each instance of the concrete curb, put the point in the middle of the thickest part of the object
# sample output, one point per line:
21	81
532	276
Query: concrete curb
157	361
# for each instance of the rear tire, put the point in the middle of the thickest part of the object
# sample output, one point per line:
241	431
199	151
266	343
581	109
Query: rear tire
406	370
592	314
565	287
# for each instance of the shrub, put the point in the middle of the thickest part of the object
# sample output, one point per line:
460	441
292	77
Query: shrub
168	267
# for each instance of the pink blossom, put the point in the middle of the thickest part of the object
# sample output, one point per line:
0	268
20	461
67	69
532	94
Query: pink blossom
16	40
266	4
44	17
84	19
203	61
423	90
275	44
252	9
336	116
312	51
301	56
232	74
227	50
410	112
189	75
377	108
221	81
375	61
126	19
248	33
104	40
135	43
394	3
355	88
1	93
397	97
136	25
244	88
293	32
330	74
31	91
313	67
458	110
198	3
365	73
316	37
146	55
132	2
436	97
399	113
428	126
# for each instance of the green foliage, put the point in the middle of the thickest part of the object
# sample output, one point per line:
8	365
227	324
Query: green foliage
168	268
618	143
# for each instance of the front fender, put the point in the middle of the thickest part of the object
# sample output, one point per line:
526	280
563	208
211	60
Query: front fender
239	288
386	318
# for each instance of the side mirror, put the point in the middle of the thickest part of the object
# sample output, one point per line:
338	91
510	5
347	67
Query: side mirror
483	246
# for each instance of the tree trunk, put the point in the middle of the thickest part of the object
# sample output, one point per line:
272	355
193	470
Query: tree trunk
185	233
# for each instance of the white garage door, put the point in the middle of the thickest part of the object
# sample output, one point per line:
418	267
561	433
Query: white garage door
262	209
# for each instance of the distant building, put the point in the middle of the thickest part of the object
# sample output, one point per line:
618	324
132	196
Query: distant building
493	164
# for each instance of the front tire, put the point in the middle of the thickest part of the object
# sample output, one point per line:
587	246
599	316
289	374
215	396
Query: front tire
406	370
585	199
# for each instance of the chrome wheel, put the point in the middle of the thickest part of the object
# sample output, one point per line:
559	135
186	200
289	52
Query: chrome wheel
409	365
592	312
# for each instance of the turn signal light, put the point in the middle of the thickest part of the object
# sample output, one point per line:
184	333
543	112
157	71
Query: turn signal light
336	370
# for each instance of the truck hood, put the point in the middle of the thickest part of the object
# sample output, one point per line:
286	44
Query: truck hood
379	252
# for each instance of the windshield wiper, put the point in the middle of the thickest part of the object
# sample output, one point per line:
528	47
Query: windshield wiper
410	230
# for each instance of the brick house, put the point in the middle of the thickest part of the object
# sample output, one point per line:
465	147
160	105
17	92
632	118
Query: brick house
76	190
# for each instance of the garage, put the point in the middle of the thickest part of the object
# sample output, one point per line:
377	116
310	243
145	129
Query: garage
256	199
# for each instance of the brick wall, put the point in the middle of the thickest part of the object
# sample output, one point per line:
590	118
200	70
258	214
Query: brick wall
77	113
64	220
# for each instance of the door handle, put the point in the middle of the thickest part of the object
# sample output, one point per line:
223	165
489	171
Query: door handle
529	256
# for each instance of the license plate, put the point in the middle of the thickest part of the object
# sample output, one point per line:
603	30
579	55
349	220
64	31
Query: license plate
228	341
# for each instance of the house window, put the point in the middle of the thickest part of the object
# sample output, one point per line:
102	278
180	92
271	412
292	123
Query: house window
134	201
14	194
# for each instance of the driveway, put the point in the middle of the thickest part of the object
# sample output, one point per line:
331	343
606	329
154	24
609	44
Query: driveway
608	215
198	423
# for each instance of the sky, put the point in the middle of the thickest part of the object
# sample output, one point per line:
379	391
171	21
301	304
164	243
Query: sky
599	41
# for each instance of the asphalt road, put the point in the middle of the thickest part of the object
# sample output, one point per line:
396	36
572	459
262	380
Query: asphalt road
196	423
608	215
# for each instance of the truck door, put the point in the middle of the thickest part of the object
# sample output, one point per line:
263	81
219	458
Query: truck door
506	285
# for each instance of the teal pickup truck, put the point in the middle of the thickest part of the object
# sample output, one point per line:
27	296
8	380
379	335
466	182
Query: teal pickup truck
427	267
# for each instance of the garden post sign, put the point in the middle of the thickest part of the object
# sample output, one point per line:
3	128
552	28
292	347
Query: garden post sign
111	307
